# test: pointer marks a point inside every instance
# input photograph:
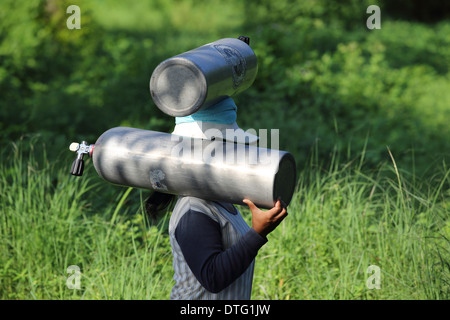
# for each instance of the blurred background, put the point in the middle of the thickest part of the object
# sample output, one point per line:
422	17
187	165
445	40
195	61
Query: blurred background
325	80
365	113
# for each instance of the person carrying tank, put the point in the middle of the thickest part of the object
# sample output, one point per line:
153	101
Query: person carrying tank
213	248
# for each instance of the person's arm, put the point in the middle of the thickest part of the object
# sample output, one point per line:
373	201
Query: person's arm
200	240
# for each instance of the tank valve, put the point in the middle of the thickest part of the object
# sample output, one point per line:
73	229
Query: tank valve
81	150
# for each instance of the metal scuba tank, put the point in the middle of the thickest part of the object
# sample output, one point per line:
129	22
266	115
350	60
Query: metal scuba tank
212	170
198	78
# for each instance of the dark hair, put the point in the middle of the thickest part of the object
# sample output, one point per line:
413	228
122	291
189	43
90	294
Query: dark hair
157	202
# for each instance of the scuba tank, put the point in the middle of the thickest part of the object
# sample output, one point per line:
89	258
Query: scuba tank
201	77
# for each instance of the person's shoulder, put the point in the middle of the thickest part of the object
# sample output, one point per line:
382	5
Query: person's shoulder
188	203
195	204
183	206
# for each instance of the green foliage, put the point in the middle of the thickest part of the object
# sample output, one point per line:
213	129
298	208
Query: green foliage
319	82
429	11
67	83
322	75
343	220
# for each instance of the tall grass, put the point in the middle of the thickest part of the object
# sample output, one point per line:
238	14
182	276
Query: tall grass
341	220
50	220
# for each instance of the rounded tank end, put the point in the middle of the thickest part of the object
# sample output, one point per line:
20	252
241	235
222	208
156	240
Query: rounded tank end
285	179
178	87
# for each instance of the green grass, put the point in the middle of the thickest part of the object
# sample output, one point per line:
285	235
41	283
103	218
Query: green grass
154	16
341	220
51	220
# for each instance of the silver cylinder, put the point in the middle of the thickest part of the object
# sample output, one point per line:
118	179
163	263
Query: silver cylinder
210	170
198	78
